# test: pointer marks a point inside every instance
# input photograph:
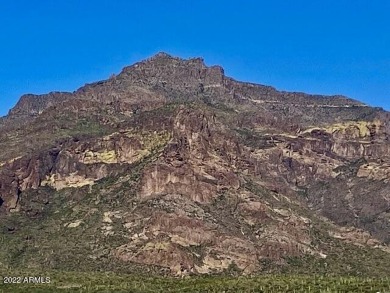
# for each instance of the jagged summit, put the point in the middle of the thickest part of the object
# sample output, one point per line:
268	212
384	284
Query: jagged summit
172	69
161	55
169	58
163	59
165	77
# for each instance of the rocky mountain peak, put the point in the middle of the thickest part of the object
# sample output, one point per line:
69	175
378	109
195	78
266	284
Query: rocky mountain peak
172	166
163	77
163	58
164	69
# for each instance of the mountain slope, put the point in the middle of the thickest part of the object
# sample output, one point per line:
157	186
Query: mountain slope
172	167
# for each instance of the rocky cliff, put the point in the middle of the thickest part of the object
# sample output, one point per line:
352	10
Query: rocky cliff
173	167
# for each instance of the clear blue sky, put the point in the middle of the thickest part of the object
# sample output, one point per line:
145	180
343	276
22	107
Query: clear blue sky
328	47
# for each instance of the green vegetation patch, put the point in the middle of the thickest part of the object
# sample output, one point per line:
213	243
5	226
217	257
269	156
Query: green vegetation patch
61	281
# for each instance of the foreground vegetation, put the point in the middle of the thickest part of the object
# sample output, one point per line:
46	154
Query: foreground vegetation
109	282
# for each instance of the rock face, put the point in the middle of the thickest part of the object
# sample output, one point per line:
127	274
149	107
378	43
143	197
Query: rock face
75	163
33	105
190	164
180	168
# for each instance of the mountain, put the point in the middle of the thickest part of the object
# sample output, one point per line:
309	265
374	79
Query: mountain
171	167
